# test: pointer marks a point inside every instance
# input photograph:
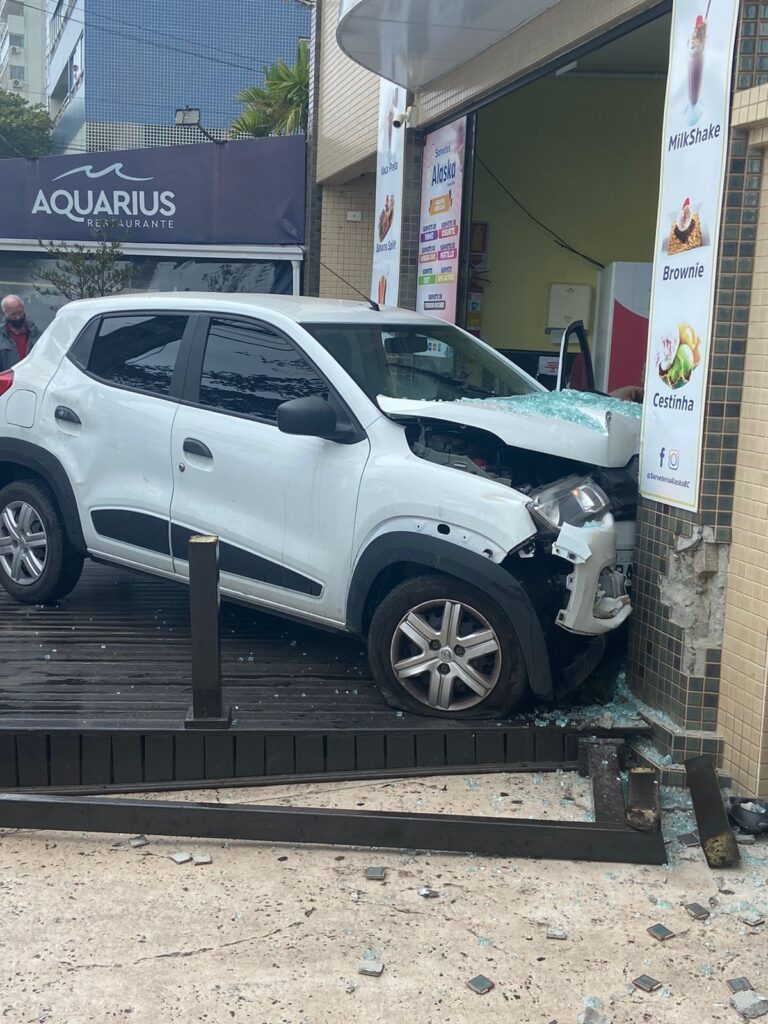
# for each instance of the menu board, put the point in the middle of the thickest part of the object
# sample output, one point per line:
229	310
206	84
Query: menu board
385	276
694	148
442	177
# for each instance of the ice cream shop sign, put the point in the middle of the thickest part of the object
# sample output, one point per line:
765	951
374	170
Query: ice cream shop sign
249	192
690	204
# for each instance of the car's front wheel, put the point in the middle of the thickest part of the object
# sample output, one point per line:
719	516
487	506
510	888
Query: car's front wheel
439	646
38	563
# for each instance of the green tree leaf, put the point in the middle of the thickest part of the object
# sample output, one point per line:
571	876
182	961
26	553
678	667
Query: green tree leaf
25	130
86	272
281	105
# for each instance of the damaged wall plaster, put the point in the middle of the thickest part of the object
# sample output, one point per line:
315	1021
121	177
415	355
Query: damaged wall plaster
694	591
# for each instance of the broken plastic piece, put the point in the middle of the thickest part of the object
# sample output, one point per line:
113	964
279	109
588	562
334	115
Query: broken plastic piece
752	918
138	841
375	874
557	933
660	932
181	858
427	893
572	545
646	983
480	984
371	968
745	838
689	839
202	858
697	912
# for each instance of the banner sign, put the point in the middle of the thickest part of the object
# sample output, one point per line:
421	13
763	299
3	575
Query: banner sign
442	177
385	277
245	192
694	148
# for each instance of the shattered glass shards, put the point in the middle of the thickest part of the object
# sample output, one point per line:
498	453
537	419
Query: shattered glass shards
371	968
579	407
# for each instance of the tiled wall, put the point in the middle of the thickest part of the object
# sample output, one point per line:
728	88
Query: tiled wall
145	58
348	107
743	718
347	245
675	651
684	660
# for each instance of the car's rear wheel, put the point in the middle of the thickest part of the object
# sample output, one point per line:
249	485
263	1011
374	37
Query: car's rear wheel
439	646
38	564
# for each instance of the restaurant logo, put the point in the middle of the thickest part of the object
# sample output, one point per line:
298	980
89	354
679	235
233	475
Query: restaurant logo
134	208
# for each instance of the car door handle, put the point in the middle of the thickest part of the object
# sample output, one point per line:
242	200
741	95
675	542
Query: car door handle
66	415
194	447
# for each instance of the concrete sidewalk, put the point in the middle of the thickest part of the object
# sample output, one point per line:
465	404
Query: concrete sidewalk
93	930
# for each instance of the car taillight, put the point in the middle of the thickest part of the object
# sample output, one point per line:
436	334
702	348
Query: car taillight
6	379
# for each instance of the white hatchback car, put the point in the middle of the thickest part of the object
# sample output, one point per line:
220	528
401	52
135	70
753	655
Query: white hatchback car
377	472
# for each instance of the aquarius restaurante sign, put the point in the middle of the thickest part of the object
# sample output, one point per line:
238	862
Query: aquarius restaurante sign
248	192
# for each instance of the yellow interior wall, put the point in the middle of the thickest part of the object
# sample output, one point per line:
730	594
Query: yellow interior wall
583	154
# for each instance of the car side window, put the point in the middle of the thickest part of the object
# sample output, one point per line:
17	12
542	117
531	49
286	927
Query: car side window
138	352
250	370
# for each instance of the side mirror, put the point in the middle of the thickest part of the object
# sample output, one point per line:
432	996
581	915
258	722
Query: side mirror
308	417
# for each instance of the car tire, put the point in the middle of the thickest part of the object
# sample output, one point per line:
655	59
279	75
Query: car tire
38	563
420	664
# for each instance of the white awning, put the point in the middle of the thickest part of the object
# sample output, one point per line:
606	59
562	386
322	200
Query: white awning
412	42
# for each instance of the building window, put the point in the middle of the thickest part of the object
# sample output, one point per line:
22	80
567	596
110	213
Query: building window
57	23
58	19
16	70
16	40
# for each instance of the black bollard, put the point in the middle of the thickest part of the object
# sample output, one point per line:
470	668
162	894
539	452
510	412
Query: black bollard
207	711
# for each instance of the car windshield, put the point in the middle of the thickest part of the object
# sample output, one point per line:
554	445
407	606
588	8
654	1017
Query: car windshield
419	361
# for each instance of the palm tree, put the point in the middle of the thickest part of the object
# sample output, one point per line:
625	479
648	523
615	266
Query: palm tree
281	105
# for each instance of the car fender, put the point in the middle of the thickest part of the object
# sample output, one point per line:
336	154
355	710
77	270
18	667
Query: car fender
43	464
443	555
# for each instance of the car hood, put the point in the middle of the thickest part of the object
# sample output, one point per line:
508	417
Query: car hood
589	428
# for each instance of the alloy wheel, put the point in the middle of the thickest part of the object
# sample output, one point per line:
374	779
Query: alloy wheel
23	543
446	655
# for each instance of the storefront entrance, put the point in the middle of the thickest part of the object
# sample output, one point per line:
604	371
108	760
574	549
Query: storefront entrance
565	190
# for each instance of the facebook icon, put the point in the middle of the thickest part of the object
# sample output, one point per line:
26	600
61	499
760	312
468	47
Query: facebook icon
662	454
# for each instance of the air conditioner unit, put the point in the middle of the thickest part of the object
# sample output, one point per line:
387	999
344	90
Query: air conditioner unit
15	49
18	84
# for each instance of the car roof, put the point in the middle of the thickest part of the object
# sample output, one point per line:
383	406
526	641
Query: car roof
302	309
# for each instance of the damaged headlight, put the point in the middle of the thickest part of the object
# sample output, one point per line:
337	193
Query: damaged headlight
573	500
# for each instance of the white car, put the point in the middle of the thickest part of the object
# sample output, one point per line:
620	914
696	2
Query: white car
377	472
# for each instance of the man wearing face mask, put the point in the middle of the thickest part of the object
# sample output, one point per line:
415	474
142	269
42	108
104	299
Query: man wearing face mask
17	334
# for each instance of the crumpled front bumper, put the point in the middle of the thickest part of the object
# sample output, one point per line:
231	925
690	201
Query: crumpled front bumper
597	602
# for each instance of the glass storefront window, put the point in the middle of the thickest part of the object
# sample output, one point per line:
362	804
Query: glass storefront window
18	276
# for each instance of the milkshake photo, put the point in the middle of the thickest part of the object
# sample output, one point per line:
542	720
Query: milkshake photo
696	46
